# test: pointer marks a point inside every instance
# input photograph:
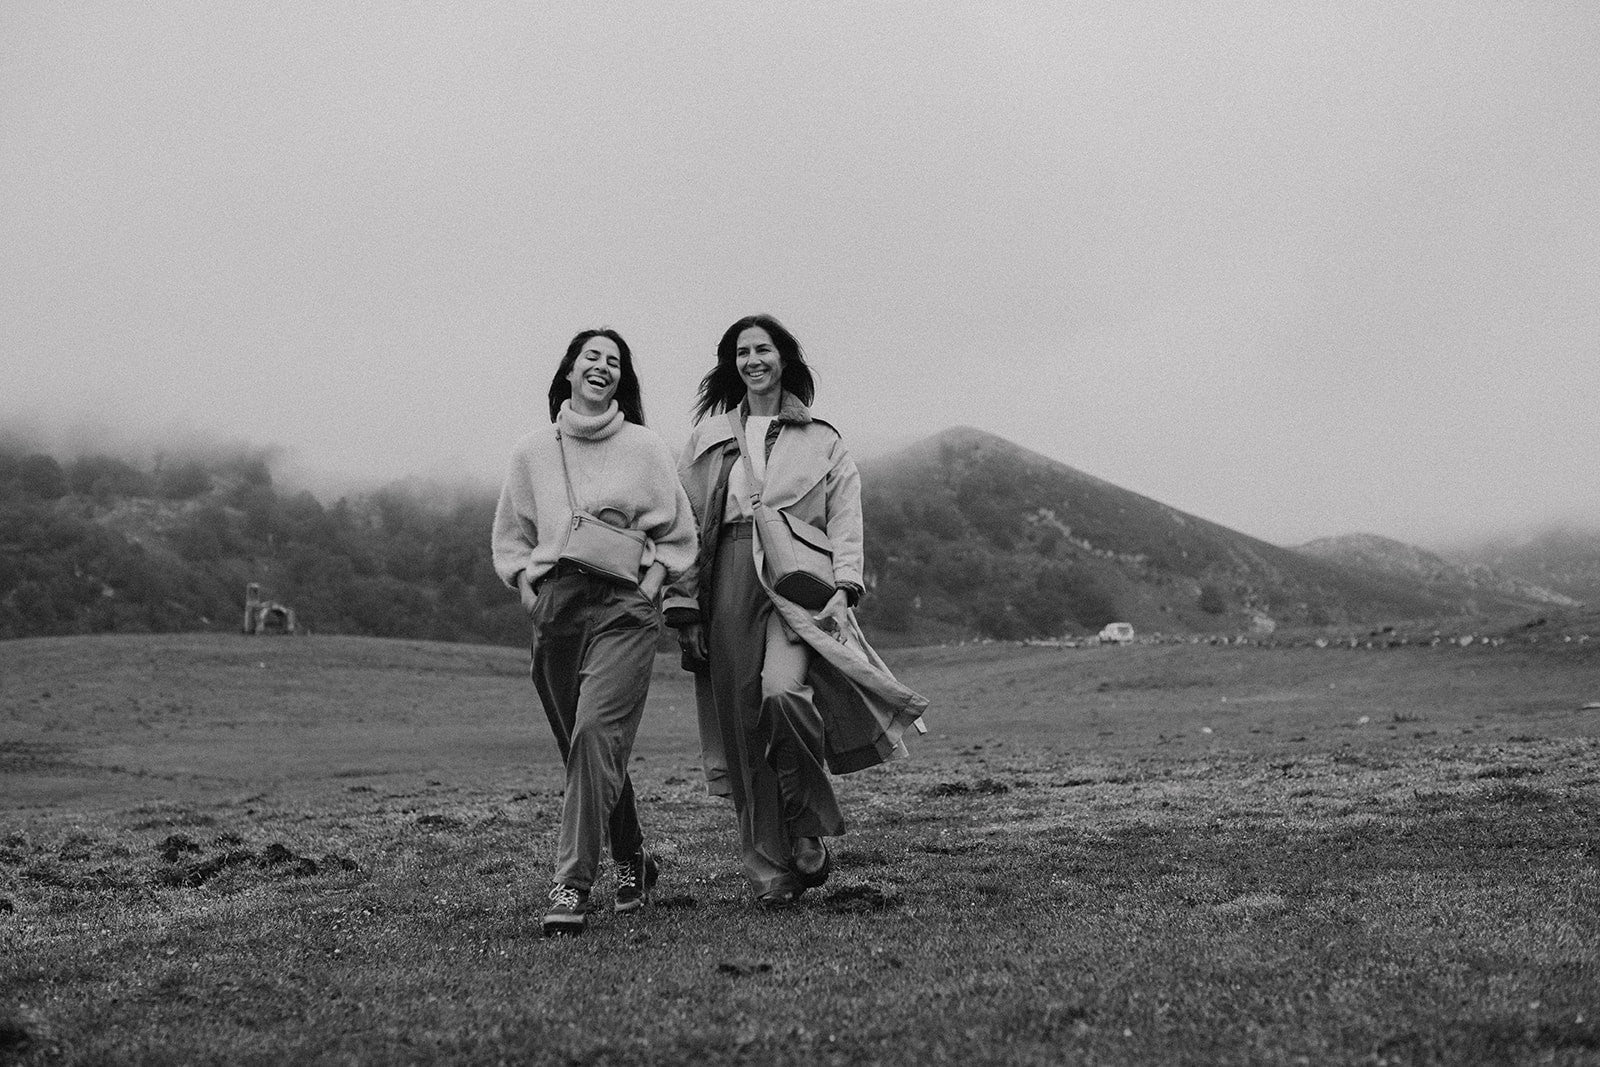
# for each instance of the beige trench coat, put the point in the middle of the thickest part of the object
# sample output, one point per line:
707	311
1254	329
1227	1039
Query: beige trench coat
865	709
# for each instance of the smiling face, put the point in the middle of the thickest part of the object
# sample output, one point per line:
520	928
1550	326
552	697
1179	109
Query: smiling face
595	374
759	363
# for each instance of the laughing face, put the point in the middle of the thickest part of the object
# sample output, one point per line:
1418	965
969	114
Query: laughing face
595	375
759	363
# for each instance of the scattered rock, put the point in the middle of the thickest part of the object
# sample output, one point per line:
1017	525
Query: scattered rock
1252	904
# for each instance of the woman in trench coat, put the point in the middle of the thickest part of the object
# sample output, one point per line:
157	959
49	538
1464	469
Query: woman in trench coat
784	694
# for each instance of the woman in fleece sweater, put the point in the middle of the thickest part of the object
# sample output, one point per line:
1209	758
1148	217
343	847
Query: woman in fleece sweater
594	635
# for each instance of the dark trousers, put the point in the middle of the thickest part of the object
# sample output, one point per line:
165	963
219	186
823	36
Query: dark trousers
772	732
594	645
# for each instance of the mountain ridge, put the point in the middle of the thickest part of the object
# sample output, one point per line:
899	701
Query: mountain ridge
969	529
968	535
1386	555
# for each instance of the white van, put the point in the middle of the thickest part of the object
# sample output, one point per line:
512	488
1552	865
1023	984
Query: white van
1117	633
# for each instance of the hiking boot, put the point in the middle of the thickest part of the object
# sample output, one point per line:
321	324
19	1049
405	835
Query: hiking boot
813	862
635	878
569	911
778	899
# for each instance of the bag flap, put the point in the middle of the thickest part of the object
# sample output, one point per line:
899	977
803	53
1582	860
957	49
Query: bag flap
804	531
602	527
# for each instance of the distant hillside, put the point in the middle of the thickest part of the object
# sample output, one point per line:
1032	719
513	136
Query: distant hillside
969	533
1564	558
97	544
1469	583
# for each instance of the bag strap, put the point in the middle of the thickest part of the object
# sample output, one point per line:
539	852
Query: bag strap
749	469
566	475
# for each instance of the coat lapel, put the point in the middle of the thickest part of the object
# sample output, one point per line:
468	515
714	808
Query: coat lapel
793	468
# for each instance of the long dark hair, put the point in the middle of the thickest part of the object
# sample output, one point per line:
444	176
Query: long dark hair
722	389
628	397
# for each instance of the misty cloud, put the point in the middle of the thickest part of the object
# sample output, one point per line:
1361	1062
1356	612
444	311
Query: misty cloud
1301	271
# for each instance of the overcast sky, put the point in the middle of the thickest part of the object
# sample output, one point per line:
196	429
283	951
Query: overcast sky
1301	269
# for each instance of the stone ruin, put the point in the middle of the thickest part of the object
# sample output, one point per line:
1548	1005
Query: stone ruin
266	616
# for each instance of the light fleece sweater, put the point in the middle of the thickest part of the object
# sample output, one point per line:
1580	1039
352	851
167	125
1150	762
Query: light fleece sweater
617	466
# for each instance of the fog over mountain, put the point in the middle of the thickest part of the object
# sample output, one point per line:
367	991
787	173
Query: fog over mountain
1299	270
1565	556
968	535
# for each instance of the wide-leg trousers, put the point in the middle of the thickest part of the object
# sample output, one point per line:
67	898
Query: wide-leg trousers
594	645
772	732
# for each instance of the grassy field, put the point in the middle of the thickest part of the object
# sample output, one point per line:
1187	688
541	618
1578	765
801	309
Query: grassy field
329	850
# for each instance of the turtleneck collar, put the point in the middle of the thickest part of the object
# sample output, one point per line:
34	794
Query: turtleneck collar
589	427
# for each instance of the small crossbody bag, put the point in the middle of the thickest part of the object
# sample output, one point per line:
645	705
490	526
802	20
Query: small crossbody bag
797	557
595	545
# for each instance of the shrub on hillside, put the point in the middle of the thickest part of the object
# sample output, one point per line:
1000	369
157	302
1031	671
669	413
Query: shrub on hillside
104	478
74	558
40	476
891	606
182	481
206	536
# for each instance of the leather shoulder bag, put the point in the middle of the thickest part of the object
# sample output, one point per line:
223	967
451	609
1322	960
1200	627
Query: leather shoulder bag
595	545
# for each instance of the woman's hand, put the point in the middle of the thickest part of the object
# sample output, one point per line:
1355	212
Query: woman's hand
834	613
525	592
692	641
650	584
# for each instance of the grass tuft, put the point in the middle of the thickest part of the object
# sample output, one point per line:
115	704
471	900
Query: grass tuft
1510	771
1517	793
